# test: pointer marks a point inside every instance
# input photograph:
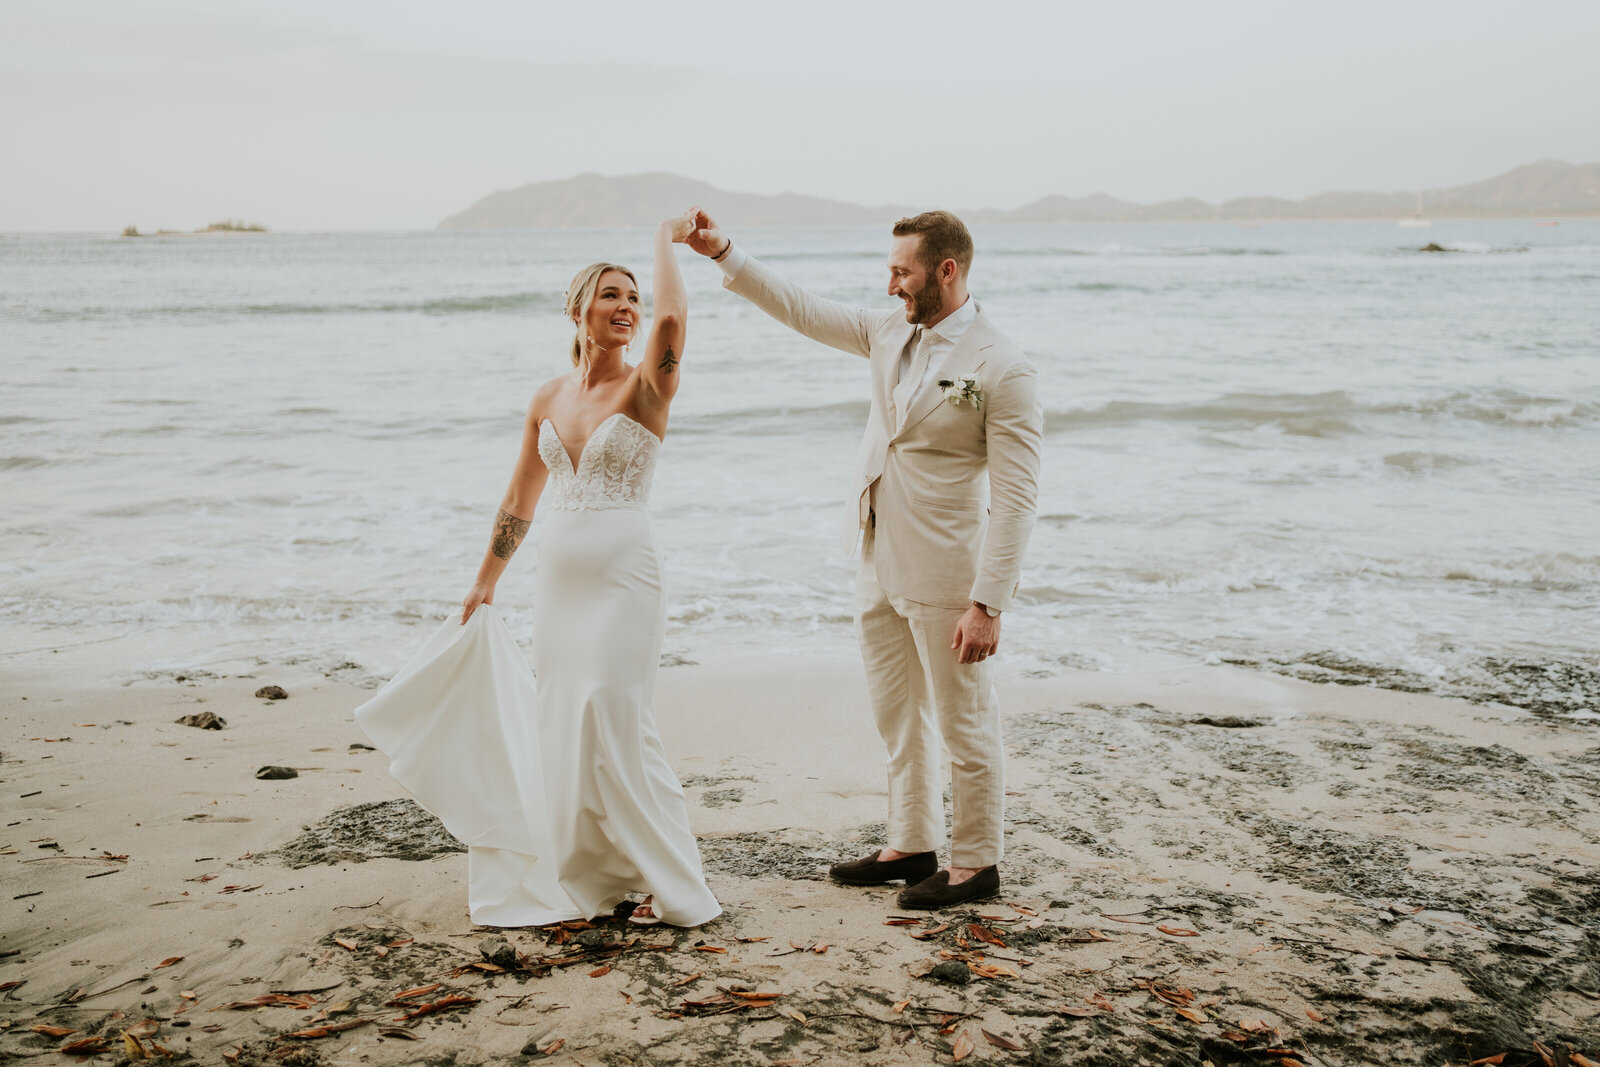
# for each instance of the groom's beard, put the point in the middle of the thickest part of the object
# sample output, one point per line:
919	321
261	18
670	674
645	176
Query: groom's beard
926	304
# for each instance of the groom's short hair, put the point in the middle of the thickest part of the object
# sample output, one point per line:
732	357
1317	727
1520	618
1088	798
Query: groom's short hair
943	237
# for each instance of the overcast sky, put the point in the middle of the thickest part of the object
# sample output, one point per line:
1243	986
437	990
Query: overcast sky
353	114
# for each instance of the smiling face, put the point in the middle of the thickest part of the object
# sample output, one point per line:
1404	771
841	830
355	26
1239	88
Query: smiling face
612	317
914	282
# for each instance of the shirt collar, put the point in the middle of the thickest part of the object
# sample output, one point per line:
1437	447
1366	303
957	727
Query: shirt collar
953	325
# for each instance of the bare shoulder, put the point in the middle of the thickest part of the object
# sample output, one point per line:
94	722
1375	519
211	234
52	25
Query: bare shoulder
547	397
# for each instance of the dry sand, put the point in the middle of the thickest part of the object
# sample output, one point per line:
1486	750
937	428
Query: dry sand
1210	864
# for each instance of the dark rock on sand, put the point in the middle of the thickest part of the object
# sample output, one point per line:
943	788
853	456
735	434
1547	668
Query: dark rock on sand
205	720
1225	722
271	773
272	692
498	951
385	829
951	972
1433	247
357	746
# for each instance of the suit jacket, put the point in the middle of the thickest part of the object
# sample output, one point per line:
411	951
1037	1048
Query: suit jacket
937	539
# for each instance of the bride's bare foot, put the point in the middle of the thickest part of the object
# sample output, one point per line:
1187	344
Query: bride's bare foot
644	914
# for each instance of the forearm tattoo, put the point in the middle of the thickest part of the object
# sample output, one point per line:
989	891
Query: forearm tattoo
669	362
508	533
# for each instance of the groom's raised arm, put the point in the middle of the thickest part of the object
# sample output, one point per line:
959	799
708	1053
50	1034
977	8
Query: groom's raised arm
829	322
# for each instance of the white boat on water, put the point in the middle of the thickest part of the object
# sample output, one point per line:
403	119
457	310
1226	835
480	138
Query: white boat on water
1415	222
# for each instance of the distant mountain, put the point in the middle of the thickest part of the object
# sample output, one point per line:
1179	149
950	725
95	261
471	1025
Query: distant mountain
644	200
1546	188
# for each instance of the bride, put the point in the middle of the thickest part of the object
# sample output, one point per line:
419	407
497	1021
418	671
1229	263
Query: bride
560	788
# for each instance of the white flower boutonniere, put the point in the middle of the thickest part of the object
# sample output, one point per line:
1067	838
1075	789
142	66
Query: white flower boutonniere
963	390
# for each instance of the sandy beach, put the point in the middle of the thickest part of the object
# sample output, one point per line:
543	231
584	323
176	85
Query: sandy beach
1204	865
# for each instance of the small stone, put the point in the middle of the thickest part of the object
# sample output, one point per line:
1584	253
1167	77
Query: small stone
205	720
498	951
357	746
272	692
593	938
270	773
531	1048
952	972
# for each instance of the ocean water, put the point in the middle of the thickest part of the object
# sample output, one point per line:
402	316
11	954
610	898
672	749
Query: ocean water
1293	443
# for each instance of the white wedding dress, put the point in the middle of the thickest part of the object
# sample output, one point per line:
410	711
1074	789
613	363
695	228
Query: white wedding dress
559	787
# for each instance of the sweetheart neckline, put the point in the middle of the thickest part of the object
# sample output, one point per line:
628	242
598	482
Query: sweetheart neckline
575	467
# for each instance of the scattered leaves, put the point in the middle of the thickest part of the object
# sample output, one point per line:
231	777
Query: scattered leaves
695	977
1001	1042
344	942
168	962
820	947
922	935
1314	1015
455	1000
267	1000
600	971
52	1031
325	1031
553	1047
963	1046
710	948
89	1046
1176	931
1194	1015
421	990
984	934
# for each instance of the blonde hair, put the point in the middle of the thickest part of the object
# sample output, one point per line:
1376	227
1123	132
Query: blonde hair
581	294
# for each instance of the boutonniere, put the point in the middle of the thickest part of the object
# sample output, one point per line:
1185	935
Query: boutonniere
963	390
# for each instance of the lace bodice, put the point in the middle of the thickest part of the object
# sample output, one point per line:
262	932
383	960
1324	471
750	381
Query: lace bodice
614	470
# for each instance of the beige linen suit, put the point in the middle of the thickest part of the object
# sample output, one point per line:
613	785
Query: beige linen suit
930	547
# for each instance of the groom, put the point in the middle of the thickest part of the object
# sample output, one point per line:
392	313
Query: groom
952	399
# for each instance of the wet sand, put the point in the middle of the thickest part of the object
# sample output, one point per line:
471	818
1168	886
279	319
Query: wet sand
1212	864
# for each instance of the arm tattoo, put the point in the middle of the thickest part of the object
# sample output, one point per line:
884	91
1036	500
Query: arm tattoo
668	361
508	533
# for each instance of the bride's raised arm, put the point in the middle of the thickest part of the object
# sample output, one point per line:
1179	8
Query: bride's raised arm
658	370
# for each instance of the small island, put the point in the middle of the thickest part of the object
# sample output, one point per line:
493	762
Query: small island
221	226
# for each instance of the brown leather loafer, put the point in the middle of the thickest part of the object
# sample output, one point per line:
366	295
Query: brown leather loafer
869	871
937	892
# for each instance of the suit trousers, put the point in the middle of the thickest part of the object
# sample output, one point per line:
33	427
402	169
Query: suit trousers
922	694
